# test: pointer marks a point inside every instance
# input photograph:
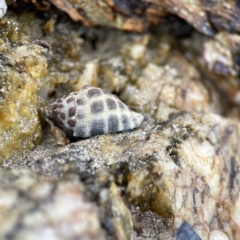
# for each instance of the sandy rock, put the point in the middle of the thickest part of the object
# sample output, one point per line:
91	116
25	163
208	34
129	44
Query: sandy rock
45	210
180	168
160	91
23	68
176	171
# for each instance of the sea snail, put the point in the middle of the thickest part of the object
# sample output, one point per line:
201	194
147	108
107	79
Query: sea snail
3	8
91	111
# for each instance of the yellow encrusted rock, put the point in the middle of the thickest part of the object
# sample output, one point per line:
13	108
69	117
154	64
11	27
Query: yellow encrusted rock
22	70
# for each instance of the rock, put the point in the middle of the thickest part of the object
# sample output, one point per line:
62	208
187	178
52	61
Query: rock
180	166
218	61
23	68
89	75
178	171
36	208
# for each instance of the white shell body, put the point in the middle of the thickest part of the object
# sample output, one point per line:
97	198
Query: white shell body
91	111
3	8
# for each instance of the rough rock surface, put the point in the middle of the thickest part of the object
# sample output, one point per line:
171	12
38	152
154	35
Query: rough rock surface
23	67
139	15
186	169
175	176
46	209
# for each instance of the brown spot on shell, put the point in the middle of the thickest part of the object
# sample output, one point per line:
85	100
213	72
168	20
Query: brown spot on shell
111	104
60	105
71	111
97	127
55	106
97	107
106	91
113	123
125	122
80	102
71	122
59	122
86	87
70	99
62	116
94	92
121	105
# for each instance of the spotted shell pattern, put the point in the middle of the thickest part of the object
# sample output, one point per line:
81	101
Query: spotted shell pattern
91	111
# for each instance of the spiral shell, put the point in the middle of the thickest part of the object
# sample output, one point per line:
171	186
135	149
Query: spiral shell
3	8
91	111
